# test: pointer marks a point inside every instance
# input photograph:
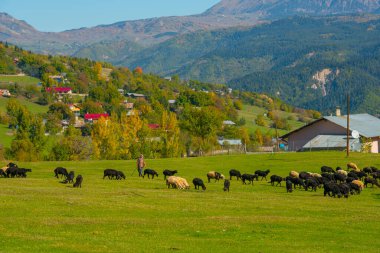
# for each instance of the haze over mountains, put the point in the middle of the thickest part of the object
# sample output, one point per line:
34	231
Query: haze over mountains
238	42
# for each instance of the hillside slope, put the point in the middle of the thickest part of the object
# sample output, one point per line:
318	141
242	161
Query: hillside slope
267	59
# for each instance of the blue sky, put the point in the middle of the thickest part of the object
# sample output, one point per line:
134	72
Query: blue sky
59	15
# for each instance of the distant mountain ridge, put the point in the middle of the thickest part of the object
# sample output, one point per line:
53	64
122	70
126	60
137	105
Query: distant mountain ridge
281	8
138	34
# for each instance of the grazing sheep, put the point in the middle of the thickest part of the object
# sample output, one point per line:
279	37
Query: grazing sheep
226	185
2	173
353	175
376	174
296	181
328	176
248	177
277	179
177	182
316	175
60	171
359	183
294	174
350	179
374	169
304	175
311	182
326	169
198	182
332	189
78	182
353	166
70	177
344	189
110	173
368	170
361	175
338	168
289	187
369	180
354	188
339	177
168	173
150	172
171	181
235	173
21	172
343	172
120	175
215	175
12	172
262	174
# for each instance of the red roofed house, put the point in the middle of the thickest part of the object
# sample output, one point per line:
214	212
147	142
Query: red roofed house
59	90
154	126
95	116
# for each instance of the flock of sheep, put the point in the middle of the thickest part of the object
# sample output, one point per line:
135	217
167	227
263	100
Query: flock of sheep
336	183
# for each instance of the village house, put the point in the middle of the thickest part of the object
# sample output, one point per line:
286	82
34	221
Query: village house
330	133
136	95
59	90
90	118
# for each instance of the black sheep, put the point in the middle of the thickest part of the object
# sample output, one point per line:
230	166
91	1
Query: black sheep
296	181
235	173
78	182
226	185
198	182
369	180
12	171
339	177
150	172
326	169
354	188
312	183
110	173
368	170
21	172
304	175
361	175
344	189
168	173
376	174
120	175
2	173
328	175
262	174
60	171
289	187
353	175
332	189
350	179
277	179
248	177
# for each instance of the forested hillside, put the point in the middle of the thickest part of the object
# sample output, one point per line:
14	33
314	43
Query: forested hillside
281	59
93	110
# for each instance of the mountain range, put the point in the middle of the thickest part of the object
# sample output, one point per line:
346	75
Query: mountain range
274	46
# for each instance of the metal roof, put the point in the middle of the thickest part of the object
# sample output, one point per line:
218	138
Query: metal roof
367	125
332	142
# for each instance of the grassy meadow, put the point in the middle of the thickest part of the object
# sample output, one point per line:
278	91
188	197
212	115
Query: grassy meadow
39	214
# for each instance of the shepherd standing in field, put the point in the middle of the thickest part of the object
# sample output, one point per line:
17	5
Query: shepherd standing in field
140	165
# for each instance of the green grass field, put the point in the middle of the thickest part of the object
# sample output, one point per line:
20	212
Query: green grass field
250	113
6	135
21	80
32	107
141	215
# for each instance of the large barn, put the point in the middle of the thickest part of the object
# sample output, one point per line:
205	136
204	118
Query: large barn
330	133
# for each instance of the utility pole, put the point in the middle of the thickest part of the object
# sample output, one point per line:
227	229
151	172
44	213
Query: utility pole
348	124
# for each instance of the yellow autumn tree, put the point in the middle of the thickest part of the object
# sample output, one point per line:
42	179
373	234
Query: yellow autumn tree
98	70
128	135
170	135
105	139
